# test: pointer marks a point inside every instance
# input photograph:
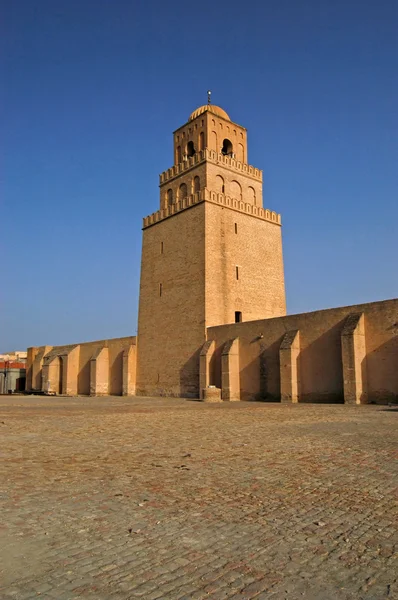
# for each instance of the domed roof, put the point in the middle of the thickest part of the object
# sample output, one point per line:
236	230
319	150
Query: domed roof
217	110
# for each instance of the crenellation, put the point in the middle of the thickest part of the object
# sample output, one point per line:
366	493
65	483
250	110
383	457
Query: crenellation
214	157
216	198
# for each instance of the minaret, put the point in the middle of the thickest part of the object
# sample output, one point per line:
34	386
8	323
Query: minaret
211	254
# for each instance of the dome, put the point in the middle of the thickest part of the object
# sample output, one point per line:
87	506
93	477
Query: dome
220	112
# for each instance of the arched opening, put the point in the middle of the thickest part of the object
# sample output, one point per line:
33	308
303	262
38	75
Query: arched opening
196	184
201	141
182	192
220	187
169	197
227	149
178	155
190	149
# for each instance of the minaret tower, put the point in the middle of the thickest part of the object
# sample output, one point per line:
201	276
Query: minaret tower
211	254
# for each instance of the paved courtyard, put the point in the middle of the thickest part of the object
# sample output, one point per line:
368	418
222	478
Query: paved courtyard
168	498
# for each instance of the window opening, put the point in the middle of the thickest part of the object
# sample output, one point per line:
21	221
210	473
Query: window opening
227	149
161	247
236	228
238	316
190	149
237	272
160	289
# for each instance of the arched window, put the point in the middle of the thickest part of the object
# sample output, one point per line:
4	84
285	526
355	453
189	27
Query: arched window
220	187
182	192
214	145
251	195
169	197
236	190
196	184
227	148
179	156
190	149
201	141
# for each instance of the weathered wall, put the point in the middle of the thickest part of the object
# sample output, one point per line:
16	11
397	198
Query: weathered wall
66	369
171	321
237	239
320	362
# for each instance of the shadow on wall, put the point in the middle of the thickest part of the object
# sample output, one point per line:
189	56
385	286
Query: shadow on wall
260	378
215	368
116	375
189	377
320	368
83	379
382	369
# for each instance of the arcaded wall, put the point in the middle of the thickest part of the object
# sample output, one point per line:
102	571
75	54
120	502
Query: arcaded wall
320	365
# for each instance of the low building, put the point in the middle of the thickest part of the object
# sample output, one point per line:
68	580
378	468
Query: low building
12	372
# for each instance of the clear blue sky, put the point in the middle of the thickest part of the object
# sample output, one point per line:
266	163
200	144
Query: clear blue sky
93	92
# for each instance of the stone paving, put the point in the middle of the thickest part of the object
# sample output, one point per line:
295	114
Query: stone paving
174	499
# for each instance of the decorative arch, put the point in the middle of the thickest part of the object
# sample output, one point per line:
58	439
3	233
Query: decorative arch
220	184
178	155
201	140
236	190
251	195
169	197
182	191
241	152
214	145
196	184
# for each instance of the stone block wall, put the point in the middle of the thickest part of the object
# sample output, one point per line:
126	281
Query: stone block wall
347	354
95	368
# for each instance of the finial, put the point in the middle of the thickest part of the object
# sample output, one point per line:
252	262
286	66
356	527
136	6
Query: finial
209	97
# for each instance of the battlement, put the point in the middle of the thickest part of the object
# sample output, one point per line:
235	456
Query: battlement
214	157
208	196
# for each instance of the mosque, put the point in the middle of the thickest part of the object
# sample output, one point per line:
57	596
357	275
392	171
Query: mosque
212	320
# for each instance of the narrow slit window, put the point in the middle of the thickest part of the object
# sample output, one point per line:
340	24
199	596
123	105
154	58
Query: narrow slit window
160	289
237	272
161	247
236	228
238	316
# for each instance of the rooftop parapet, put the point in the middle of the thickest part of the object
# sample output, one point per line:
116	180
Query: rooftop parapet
214	157
205	195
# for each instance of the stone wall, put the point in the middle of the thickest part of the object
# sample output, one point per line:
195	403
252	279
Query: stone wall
342	354
81	369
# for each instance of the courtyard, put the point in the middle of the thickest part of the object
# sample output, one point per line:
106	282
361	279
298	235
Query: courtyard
173	499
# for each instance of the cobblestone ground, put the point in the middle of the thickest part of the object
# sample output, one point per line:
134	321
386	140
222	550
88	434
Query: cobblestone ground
167	498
